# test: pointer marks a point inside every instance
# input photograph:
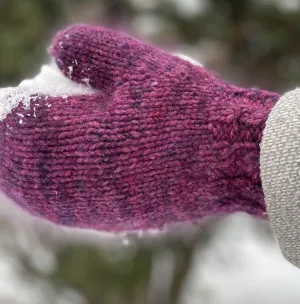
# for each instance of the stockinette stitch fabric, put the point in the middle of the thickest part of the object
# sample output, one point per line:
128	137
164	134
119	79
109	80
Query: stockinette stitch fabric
160	141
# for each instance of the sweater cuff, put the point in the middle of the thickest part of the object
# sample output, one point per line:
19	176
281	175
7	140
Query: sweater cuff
280	172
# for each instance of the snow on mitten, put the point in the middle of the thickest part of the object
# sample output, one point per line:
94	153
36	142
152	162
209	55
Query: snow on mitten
153	141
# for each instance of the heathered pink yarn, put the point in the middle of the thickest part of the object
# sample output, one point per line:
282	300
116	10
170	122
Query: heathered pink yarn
163	141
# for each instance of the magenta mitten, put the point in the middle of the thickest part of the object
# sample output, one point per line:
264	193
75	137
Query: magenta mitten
161	141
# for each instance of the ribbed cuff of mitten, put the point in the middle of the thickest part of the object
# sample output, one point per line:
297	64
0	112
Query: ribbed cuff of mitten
280	172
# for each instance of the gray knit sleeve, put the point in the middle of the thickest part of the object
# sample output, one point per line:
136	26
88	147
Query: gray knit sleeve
280	172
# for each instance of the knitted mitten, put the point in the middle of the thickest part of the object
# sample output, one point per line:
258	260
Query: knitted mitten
160	141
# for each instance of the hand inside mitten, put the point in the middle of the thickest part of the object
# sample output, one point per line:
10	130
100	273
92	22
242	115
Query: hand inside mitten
154	140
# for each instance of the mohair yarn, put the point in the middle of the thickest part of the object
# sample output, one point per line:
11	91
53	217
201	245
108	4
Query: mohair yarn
161	141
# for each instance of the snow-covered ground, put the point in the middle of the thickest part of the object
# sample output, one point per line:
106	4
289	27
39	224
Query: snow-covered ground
240	263
27	257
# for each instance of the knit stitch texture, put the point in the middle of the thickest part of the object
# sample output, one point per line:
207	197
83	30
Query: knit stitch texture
161	142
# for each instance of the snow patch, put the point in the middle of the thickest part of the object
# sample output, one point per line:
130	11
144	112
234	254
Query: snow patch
189	59
241	264
11	97
70	71
190	8
50	82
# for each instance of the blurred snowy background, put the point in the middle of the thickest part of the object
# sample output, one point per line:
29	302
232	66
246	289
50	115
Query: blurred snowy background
252	42
248	42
